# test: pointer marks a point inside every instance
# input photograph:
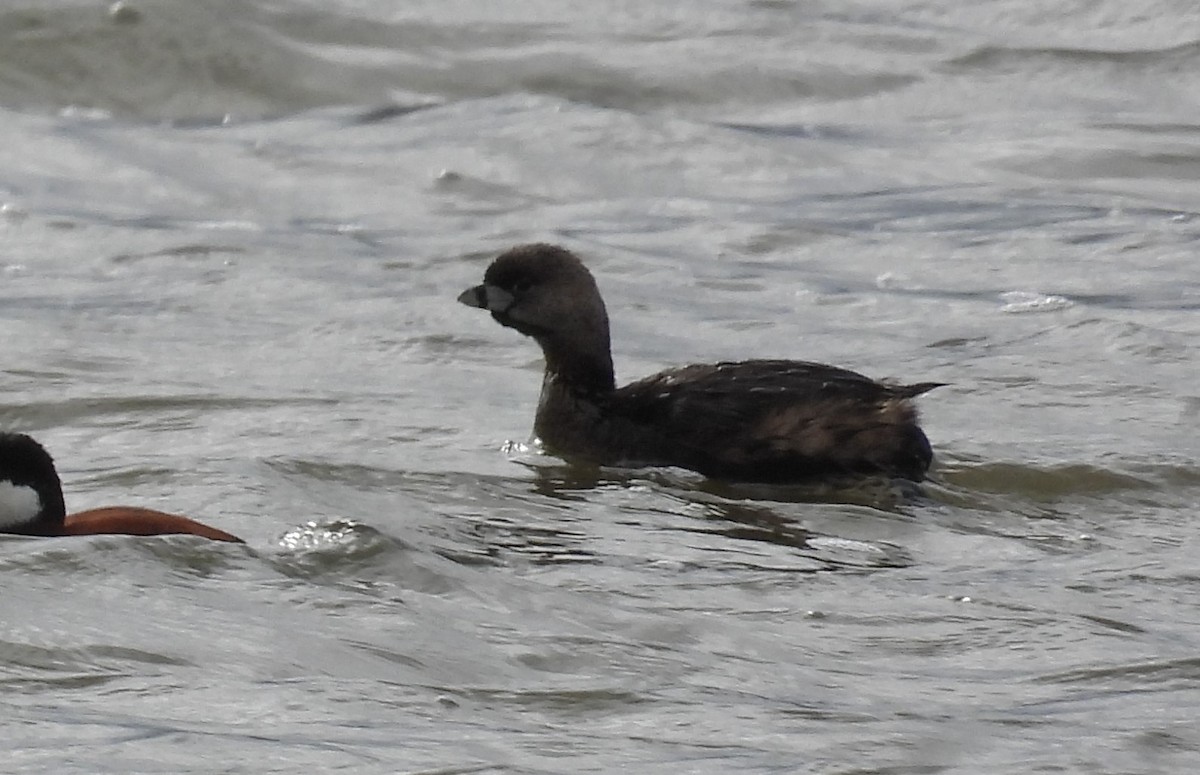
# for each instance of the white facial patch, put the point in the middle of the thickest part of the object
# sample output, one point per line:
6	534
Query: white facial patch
19	505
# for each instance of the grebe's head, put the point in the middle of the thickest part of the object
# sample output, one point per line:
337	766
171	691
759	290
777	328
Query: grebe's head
544	291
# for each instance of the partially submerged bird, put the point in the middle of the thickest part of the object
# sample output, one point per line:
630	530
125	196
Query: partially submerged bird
31	502
757	421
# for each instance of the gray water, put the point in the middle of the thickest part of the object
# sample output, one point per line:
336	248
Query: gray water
231	234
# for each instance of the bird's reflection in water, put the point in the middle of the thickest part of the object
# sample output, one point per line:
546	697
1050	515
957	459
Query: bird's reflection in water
768	514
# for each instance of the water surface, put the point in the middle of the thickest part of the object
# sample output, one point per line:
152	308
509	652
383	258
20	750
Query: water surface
231	234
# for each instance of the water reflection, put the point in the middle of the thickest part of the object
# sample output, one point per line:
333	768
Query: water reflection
730	511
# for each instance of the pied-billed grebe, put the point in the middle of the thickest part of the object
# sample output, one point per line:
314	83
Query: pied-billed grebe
31	502
758	421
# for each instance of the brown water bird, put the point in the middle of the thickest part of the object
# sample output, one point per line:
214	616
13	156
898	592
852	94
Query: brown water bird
757	420
31	502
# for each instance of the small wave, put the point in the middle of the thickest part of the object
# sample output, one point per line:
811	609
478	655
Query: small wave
1141	674
36	668
1054	482
1008	57
97	556
1018	302
130	410
178	61
334	549
342	536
